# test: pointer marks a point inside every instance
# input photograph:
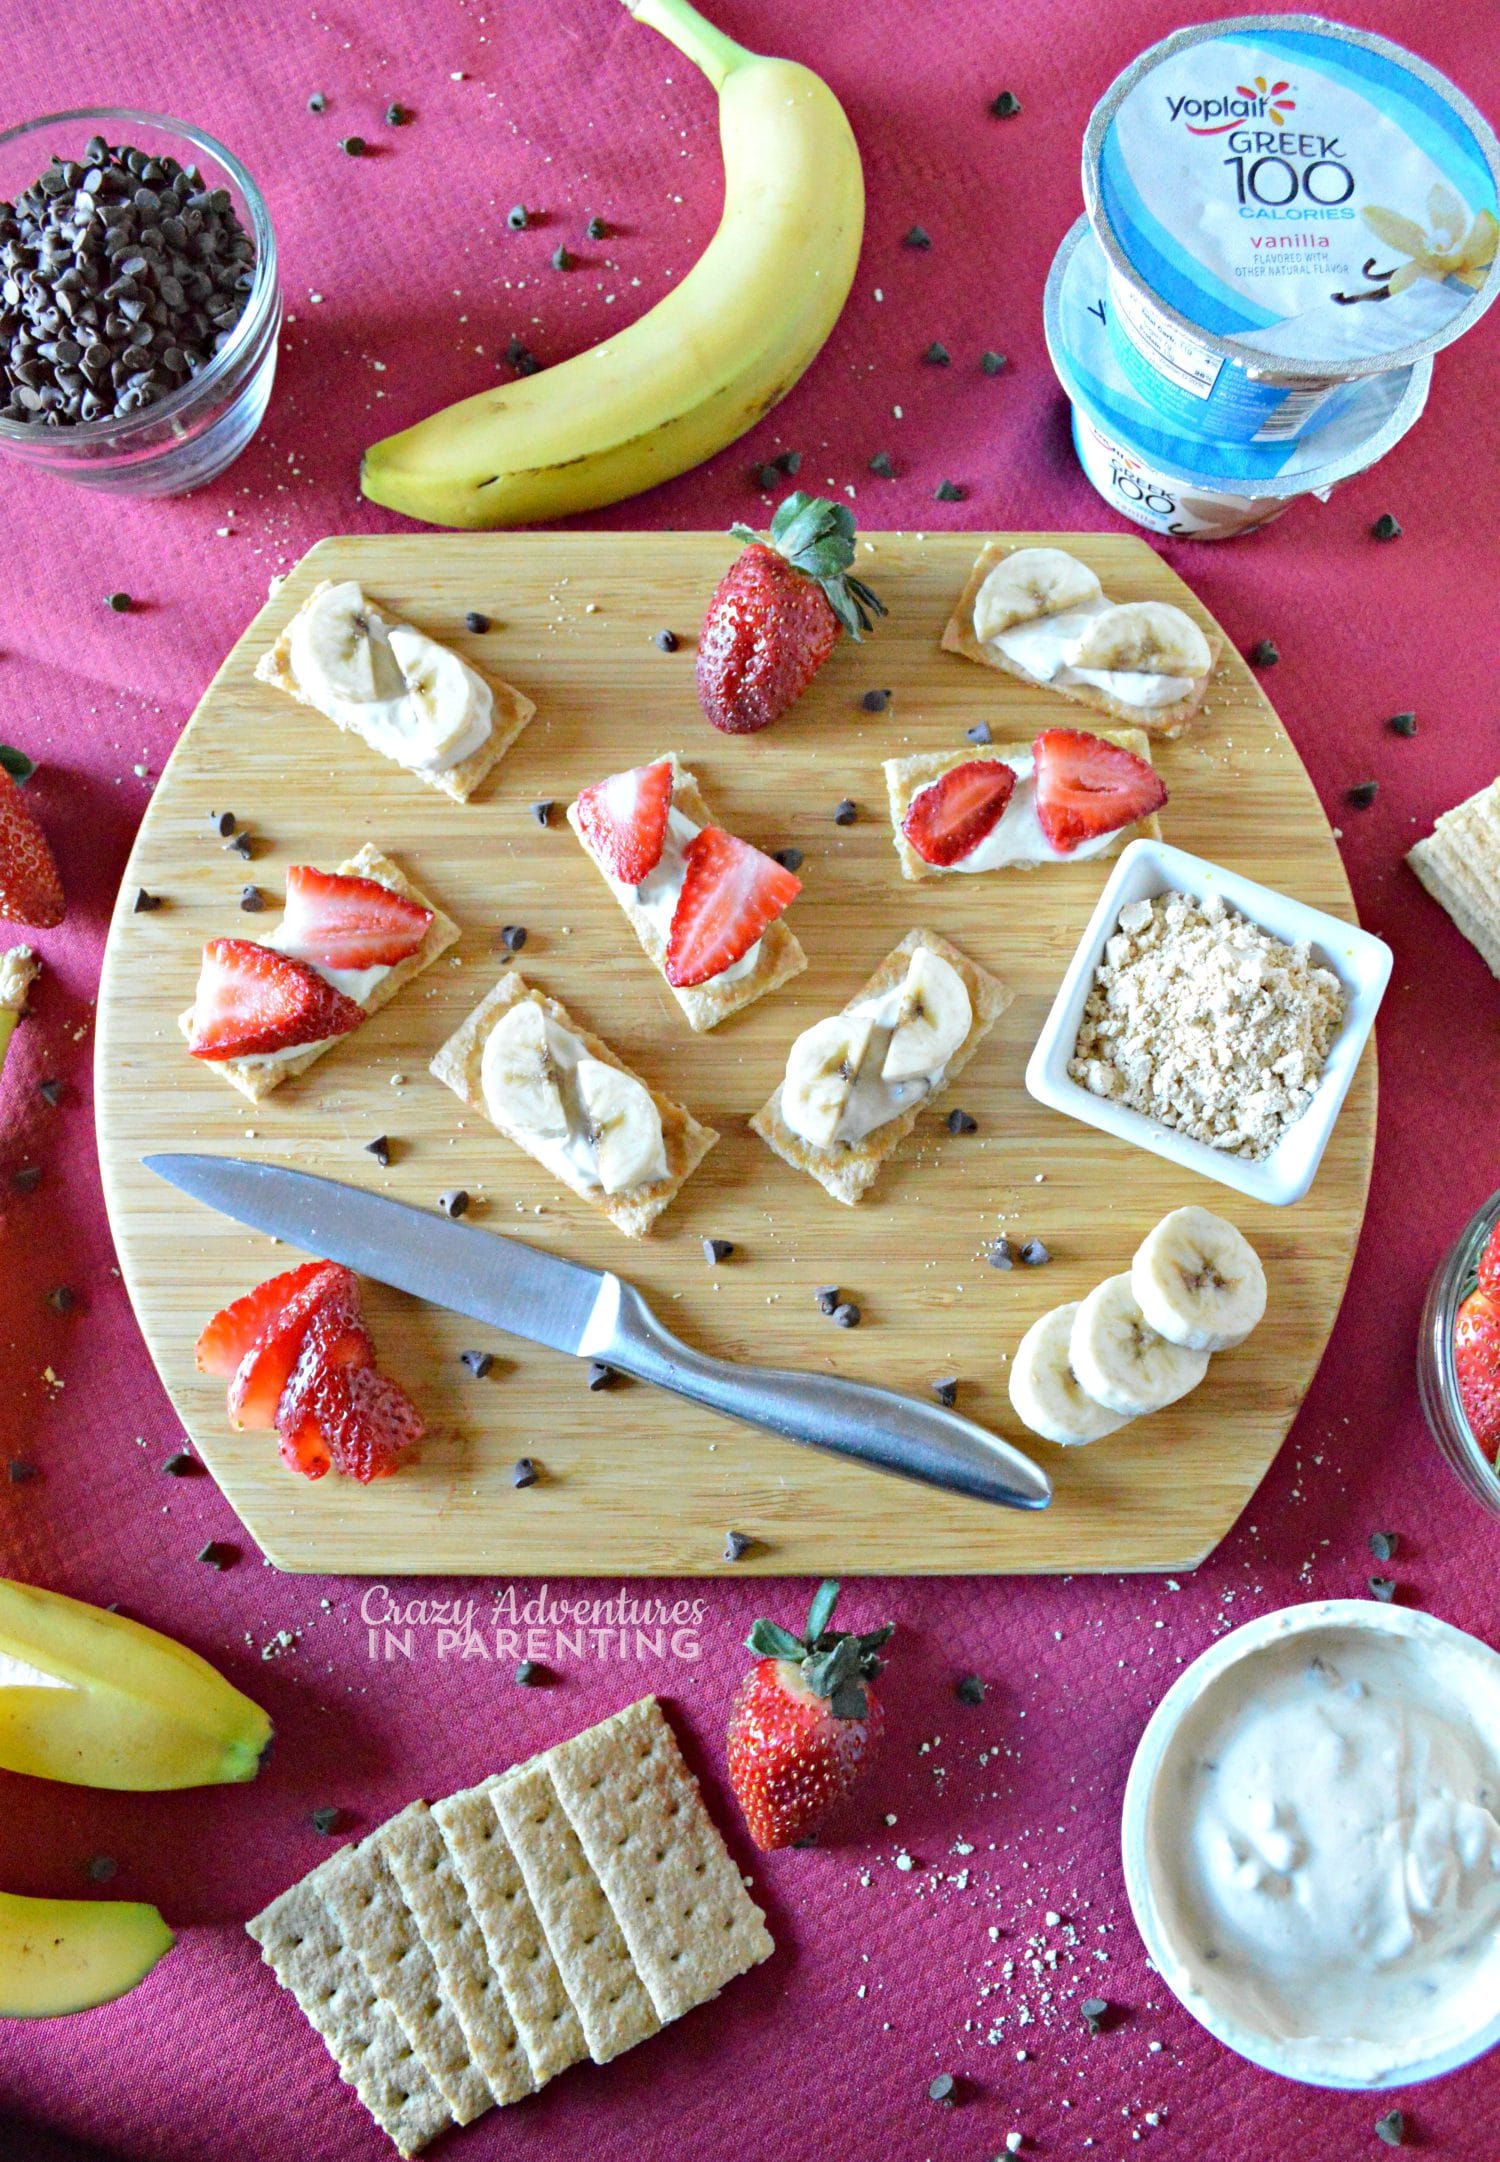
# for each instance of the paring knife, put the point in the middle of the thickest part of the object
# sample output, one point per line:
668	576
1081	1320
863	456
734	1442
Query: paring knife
595	1314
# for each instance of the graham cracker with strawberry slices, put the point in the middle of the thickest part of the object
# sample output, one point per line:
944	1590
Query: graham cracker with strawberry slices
905	778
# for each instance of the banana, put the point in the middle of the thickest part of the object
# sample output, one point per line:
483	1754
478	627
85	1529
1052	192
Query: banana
451	701
1198	1281
1033	582
1119	1359
706	362
67	1955
1044	1390
517	1074
99	1701
821	1069
340	652
624	1125
1144	638
934	1019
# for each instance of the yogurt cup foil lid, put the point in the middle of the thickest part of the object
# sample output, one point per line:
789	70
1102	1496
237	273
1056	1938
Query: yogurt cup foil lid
1308	200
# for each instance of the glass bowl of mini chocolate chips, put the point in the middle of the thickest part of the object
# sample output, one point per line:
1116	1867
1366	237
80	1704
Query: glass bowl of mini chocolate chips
139	305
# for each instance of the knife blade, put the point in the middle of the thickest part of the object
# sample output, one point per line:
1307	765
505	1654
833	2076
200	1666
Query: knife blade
594	1314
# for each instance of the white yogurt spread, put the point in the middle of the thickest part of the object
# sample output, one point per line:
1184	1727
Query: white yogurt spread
1017	836
397	722
562	1154
1045	648
660	890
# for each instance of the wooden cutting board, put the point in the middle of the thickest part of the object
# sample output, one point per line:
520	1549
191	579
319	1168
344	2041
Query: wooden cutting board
635	1481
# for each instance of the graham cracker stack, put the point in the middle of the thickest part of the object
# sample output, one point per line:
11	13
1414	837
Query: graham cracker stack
1459	864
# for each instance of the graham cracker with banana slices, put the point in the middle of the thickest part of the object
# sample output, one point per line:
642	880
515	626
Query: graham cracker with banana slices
905	778
1459	864
847	1170
705	1004
459	1063
1156	720
511	711
257	1077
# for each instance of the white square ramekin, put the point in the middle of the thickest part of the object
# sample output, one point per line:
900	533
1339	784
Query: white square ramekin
1361	962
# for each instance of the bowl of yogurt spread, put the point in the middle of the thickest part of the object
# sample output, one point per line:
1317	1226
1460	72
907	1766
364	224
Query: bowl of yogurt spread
1287	207
1311	1843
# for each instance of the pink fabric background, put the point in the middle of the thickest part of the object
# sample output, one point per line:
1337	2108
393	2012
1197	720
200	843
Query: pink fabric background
884	1977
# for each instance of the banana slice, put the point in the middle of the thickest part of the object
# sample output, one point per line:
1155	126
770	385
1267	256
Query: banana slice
1120	1360
821	1069
934	1018
1033	582
449	699
518	1075
1198	1281
340	651
1146	638
624	1126
1045	1391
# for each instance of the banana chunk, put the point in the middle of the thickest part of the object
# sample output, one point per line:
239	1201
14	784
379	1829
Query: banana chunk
1121	1361
1198	1281
1031	583
1149	638
518	1074
1044	1390
340	652
934	1019
624	1126
821	1070
451	701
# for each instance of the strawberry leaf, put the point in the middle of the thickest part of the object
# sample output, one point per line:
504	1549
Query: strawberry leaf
770	1641
820	1613
16	763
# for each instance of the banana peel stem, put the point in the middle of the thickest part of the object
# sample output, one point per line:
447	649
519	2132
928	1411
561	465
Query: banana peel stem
680	23
7	1030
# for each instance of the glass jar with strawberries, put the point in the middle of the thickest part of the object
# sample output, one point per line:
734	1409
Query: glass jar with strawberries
1458	1356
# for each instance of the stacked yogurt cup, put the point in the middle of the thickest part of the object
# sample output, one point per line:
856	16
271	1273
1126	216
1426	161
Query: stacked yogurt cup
1286	219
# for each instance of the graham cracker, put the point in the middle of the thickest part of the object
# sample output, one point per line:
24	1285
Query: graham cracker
302	1943
535	1995
1159	721
705	1004
413	1849
907	777
639	1816
848	1172
612	2002
511	713
381	1930
458	1066
1437	872
257	1077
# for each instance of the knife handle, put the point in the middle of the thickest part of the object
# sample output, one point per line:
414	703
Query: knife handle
851	1418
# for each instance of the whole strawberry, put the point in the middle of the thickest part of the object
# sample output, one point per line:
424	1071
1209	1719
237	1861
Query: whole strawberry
1476	1357
30	889
804	1722
777	613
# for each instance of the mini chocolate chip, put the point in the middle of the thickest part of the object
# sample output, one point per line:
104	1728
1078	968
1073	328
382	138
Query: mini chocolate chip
596	229
252	900
396	116
790	859
529	1674
937	354
827	1296
942	2088
380	1149
883	464
518	217
181	1465
317	103
766	476
1035	1254
523	1471
600	1375
980	733
737	1545
243	846
120	602
1391	2128
50	1091
1095	2010
513	937
949	491
218	1554
563	258
478	1362
790	461
1361	797
223	823
847	1314
717	1250
476	622
969	1689
916	237
1383	1544
1006	105
145	902
521	358
1263	654
993	363
961	1122
21	1471
27	1179
946	1391
1383	1588
875	701
846	812
328	1820
353	146
667	640
62	1298
1403	724
101	1867
541	812
1385	527
454	1202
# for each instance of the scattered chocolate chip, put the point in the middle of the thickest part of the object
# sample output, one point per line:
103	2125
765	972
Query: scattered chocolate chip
101	1867
1002	1254
380	1149
993	363
145	902
883	464
789	461
980	733
1385	527
1383	1544
120	602
737	1545
523	1471
50	1091
181	1465
1361	797
21	1470
717	1250
478	1362
1096	2011
1006	105
518	217
252	900
62	1298
847	1314
827	1296
396	116
563	258
1383	1588
916	237
513	937
529	1674
875	701
328	1820
27	1179
790	859
942	2089
969	1689
476	622
962	1122
218	1554
353	146
223	823
1391	2128
600	1375
937	354
667	640
454	1202
317	103
1402	724
1263	654
243	846
541	812
946	1391
846	812
521	358
1035	1255
766	476
949	491
596	229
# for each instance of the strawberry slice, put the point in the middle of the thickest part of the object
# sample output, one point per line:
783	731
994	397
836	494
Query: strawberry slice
252	1000
1476	1354
338	1410
1087	787
329	1296
947	820
338	921
1488	1279
30	889
239	1327
730	892
624	820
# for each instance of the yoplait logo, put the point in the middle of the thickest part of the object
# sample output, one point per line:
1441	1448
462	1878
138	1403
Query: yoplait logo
1257	100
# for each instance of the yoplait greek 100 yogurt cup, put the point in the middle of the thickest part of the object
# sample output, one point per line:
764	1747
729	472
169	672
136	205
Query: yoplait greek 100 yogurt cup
1287	207
1146	468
